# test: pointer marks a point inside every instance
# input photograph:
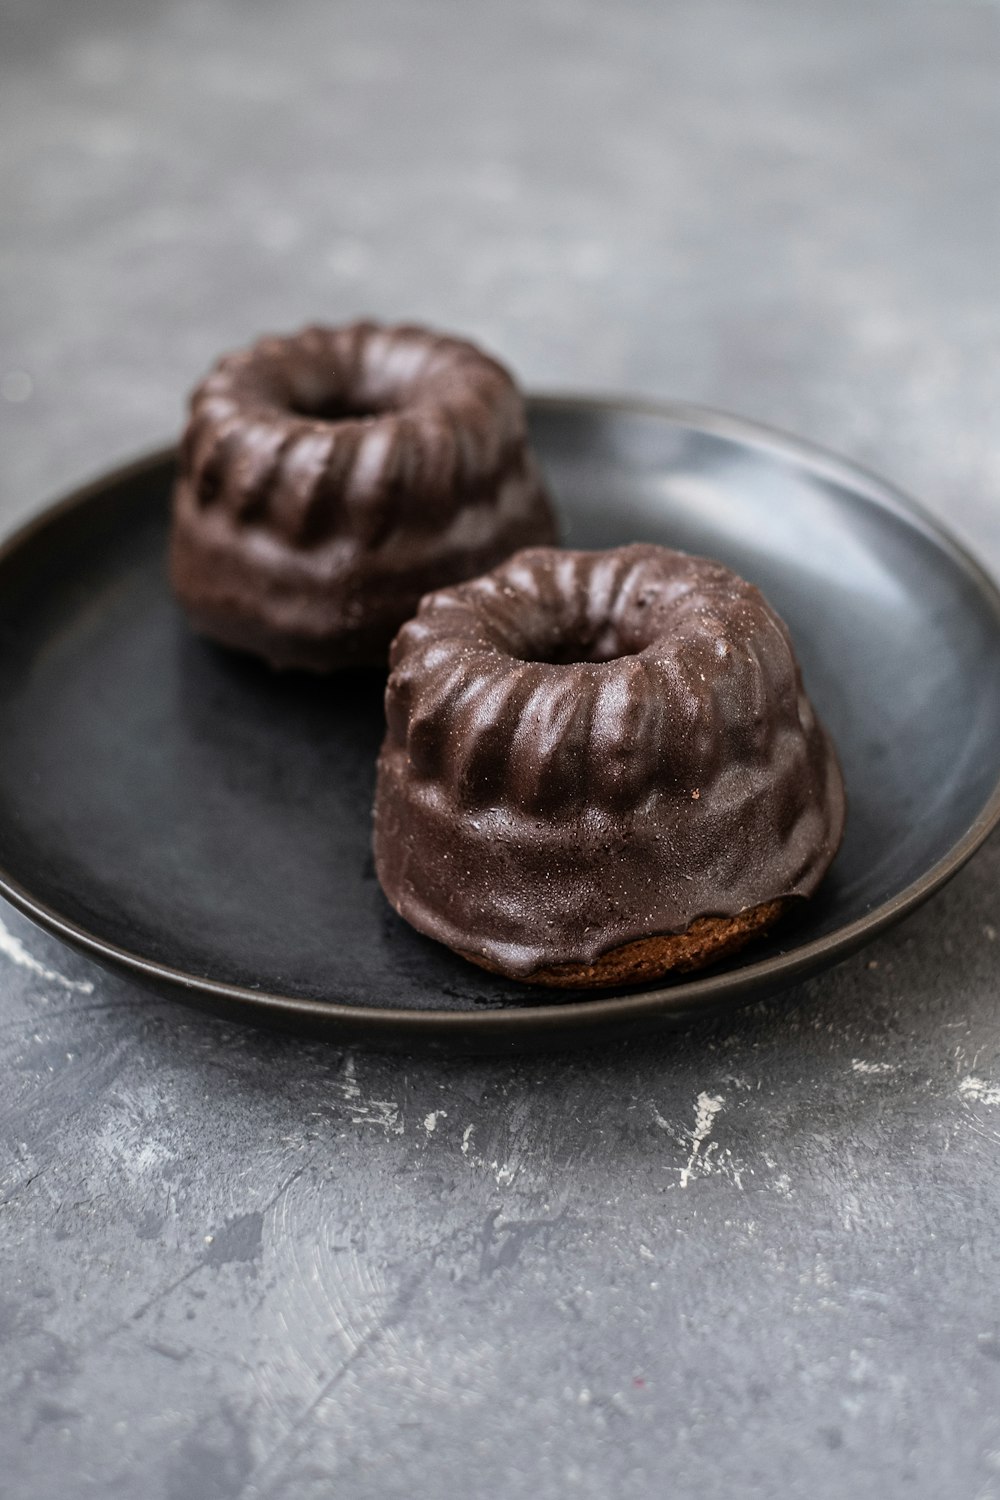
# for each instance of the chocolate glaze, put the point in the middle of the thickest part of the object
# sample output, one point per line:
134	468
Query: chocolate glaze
330	479
587	748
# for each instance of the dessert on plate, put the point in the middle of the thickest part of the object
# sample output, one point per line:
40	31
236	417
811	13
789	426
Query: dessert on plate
329	479
601	767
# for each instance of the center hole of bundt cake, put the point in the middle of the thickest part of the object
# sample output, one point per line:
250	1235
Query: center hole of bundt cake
567	652
332	409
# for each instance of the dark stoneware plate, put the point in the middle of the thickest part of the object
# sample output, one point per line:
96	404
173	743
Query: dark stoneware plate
186	815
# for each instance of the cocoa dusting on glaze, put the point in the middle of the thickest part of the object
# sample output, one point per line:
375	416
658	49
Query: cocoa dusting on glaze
585	749
330	479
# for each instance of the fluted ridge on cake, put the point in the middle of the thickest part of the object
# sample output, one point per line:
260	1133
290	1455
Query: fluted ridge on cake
684	662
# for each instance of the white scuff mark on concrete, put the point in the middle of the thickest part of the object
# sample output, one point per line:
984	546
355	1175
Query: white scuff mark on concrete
384	1112
705	1156
990	933
979	1091
13	949
707	1106
349	1086
431	1120
503	1172
126	1148
362	1111
729	1167
646	1253
869	1068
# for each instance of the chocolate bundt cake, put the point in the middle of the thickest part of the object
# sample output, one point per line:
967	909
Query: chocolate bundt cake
330	479
600	766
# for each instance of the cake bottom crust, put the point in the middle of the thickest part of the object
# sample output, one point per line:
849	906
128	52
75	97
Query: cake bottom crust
706	941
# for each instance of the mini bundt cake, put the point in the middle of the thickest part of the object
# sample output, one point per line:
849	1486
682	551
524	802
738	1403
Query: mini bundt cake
330	479
600	766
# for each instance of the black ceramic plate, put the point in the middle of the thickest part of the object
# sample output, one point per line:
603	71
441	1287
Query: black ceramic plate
183	813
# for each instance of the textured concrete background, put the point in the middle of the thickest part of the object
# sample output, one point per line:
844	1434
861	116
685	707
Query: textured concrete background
759	1259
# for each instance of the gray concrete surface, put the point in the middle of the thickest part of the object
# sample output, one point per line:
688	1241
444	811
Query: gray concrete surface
759	1259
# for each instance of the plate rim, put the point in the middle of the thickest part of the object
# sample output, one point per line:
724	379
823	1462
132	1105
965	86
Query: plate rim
684	1000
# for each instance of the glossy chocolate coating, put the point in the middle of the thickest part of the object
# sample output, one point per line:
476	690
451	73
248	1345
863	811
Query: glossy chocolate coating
587	748
330	479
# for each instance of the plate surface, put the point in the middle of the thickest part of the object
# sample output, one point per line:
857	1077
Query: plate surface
183	813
